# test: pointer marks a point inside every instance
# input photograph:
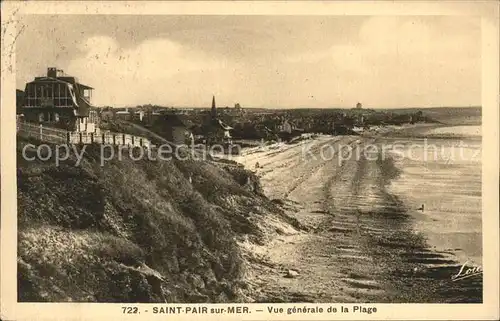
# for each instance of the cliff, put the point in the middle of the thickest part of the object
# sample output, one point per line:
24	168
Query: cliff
135	231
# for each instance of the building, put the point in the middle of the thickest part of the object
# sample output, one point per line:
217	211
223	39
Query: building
123	114
214	129
226	132
359	106
139	115
285	130
60	101
286	127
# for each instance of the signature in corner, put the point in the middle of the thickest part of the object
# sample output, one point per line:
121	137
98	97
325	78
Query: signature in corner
467	271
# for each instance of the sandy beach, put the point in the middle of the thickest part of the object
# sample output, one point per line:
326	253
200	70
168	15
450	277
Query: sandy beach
366	240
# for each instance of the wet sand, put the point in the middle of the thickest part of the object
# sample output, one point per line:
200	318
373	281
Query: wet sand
450	187
363	243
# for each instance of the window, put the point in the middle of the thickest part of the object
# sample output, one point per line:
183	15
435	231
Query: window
93	116
57	94
30	95
38	94
56	117
49	92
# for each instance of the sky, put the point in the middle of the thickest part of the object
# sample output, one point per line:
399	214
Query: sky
260	61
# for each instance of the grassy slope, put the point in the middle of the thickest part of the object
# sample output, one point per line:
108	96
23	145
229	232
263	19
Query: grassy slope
134	231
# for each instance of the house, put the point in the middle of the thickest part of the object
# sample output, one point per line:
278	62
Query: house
288	130
285	130
286	127
226	135
123	114
139	115
59	100
91	124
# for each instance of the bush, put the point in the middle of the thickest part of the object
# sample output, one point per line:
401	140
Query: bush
108	221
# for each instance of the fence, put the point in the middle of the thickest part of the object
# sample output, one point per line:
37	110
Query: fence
52	135
61	136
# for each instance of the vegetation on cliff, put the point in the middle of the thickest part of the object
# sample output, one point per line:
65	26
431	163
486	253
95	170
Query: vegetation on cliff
134	231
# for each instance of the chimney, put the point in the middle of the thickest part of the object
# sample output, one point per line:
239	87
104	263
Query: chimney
52	72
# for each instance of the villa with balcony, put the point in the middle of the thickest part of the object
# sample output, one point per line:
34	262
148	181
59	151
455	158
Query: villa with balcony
60	100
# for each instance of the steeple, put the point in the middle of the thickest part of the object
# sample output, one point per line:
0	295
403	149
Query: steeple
214	109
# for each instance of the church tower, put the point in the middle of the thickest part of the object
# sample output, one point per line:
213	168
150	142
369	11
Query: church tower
214	109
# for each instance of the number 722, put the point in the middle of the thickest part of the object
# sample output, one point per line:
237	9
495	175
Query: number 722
130	310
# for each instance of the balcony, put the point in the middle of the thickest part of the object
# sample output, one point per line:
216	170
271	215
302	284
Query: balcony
47	102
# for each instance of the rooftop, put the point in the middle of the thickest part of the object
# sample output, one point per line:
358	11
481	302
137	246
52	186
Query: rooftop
58	75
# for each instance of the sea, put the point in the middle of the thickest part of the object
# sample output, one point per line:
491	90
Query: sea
444	175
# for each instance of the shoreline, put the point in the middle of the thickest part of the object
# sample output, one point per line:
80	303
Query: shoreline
361	244
451	189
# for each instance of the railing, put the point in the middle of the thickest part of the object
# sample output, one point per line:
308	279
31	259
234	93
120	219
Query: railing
48	134
107	138
61	136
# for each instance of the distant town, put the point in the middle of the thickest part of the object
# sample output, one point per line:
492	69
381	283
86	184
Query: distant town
59	100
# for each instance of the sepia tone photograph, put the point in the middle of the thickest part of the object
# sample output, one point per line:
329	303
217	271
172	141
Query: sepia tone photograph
249	159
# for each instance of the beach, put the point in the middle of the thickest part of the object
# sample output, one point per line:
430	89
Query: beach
366	239
450	187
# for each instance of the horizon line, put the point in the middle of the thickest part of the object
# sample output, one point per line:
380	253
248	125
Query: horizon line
288	108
